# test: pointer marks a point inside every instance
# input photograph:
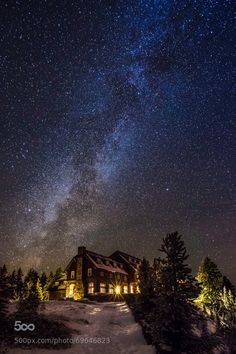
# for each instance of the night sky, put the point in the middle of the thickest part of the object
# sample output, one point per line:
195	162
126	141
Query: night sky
117	126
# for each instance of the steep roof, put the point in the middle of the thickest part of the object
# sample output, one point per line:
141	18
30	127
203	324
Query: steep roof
132	261
105	263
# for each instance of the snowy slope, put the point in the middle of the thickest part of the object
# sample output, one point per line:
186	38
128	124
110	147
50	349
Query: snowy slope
112	321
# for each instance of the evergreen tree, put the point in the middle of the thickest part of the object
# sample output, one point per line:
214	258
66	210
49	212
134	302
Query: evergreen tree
58	274
30	304
146	283
19	284
4	293
211	284
171	324
228	285
158	275
228	310
39	290
43	279
12	285
228	300
178	278
45	283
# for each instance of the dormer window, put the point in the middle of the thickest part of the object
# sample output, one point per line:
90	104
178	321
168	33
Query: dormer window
72	274
90	272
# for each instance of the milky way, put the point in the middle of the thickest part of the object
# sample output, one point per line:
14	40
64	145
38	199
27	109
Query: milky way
117	127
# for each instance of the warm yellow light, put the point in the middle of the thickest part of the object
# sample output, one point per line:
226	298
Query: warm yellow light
117	289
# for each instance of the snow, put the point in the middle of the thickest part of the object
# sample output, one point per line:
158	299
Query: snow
110	320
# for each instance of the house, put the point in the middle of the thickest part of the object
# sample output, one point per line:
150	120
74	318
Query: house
89	273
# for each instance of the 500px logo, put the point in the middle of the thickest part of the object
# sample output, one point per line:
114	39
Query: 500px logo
23	326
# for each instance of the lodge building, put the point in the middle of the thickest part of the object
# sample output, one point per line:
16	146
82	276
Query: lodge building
89	273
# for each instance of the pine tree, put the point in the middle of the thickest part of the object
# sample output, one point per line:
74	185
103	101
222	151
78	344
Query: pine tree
39	290
19	284
4	293
32	294
211	284
171	317
43	279
228	310
45	285
30	304
146	283
158	275
177	273
12	280
228	285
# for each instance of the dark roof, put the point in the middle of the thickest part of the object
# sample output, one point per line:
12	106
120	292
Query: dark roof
126	255
133	261
113	266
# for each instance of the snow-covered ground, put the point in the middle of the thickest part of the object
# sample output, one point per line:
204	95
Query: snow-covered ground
111	323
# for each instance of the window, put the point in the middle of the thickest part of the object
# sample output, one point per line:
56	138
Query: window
101	274
72	274
90	272
118	276
110	275
125	278
56	283
117	289
107	262
131	289
71	290
91	288
111	289
125	289
102	288
114	264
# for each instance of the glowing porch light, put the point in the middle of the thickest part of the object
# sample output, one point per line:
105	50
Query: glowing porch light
117	290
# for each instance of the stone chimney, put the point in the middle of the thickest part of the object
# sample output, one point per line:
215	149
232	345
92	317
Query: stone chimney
81	251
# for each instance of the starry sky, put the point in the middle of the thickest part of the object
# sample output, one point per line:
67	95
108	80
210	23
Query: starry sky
117	126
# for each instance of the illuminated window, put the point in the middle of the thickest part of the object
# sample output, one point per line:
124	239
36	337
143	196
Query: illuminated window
90	272
125	289
71	290
111	289
131	289
72	274
137	289
90	287
117	289
102	288
56	283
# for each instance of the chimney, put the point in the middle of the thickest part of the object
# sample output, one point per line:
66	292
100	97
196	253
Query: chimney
81	251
